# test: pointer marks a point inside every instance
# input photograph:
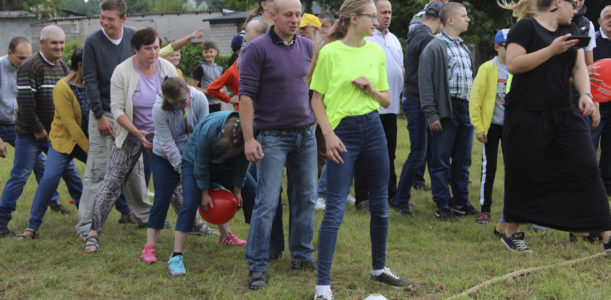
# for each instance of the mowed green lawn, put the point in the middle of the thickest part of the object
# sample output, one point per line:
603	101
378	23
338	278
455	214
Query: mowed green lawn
442	259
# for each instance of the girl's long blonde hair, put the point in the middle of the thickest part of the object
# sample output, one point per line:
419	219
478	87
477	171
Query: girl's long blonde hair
340	27
521	9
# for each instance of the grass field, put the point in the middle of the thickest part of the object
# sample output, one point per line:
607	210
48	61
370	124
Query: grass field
442	259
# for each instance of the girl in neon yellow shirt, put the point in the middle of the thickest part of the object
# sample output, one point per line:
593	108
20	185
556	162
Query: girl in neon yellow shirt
348	79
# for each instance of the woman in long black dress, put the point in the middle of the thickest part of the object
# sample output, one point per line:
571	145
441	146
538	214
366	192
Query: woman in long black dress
552	177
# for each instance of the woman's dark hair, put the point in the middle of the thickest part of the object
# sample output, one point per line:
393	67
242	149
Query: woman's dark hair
173	89
144	36
76	58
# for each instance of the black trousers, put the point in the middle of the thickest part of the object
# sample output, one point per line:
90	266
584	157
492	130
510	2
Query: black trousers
389	122
489	162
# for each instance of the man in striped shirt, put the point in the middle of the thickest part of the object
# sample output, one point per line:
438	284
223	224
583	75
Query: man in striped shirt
36	79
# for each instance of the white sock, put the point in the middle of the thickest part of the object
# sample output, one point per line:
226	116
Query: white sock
377	272
322	288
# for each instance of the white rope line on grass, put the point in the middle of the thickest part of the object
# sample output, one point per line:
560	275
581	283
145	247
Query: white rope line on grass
521	272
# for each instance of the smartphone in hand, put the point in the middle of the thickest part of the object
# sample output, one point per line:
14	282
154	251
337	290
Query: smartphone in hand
584	41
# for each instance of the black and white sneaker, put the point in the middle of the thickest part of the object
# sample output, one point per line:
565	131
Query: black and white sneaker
445	214
515	243
391	279
465	210
325	295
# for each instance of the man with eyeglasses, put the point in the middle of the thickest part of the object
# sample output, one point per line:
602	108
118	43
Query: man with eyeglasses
445	77
394	70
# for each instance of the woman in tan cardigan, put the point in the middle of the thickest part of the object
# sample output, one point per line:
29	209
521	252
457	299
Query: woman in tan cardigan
134	86
68	140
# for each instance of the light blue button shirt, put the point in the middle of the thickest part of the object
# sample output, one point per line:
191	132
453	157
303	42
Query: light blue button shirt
394	67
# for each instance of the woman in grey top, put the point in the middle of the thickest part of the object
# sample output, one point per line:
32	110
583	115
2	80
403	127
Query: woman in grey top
175	114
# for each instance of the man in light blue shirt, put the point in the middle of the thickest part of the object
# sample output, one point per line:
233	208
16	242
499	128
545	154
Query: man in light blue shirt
395	71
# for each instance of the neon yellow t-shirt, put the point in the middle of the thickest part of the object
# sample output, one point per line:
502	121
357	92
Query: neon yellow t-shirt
338	64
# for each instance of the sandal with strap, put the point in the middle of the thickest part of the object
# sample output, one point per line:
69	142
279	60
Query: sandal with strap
28	234
197	230
91	241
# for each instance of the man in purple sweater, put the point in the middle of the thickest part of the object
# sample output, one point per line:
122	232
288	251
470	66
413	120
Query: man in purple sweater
274	94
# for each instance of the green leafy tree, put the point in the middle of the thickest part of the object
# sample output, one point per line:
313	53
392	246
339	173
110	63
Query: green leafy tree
139	6
241	5
168	5
89	8
44	8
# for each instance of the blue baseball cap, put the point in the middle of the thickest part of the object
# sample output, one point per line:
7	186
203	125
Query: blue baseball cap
501	36
236	42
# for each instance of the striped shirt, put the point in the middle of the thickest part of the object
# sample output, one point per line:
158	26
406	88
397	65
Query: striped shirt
460	70
36	79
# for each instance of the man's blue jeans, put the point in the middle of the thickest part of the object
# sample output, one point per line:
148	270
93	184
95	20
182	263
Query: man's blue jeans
602	133
418	140
365	140
57	164
295	148
27	152
451	156
8	135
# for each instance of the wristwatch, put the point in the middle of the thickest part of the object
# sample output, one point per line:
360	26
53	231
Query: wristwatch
588	94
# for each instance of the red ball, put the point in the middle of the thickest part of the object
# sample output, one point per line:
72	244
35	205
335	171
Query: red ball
225	207
601	91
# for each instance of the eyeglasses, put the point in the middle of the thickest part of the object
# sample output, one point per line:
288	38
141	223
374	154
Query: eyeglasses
573	2
503	44
373	16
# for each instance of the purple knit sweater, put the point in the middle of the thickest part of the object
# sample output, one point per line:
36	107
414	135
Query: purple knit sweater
273	75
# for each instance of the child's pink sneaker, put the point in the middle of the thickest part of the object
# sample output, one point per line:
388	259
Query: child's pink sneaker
231	239
148	254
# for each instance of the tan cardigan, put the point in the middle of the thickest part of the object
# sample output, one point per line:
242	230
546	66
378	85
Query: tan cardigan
123	84
66	129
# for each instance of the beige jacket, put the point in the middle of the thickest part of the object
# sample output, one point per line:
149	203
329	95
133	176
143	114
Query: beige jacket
123	84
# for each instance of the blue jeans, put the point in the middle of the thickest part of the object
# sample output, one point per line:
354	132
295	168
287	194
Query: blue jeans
365	140
147	161
57	164
295	148
418	140
322	183
451	157
602	133
27	156
276	240
166	179
221	174
8	135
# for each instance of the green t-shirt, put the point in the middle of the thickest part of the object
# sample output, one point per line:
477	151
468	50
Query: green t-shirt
338	64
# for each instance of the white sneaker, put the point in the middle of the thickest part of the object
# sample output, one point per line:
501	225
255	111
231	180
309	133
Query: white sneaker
150	194
350	199
325	295
320	204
